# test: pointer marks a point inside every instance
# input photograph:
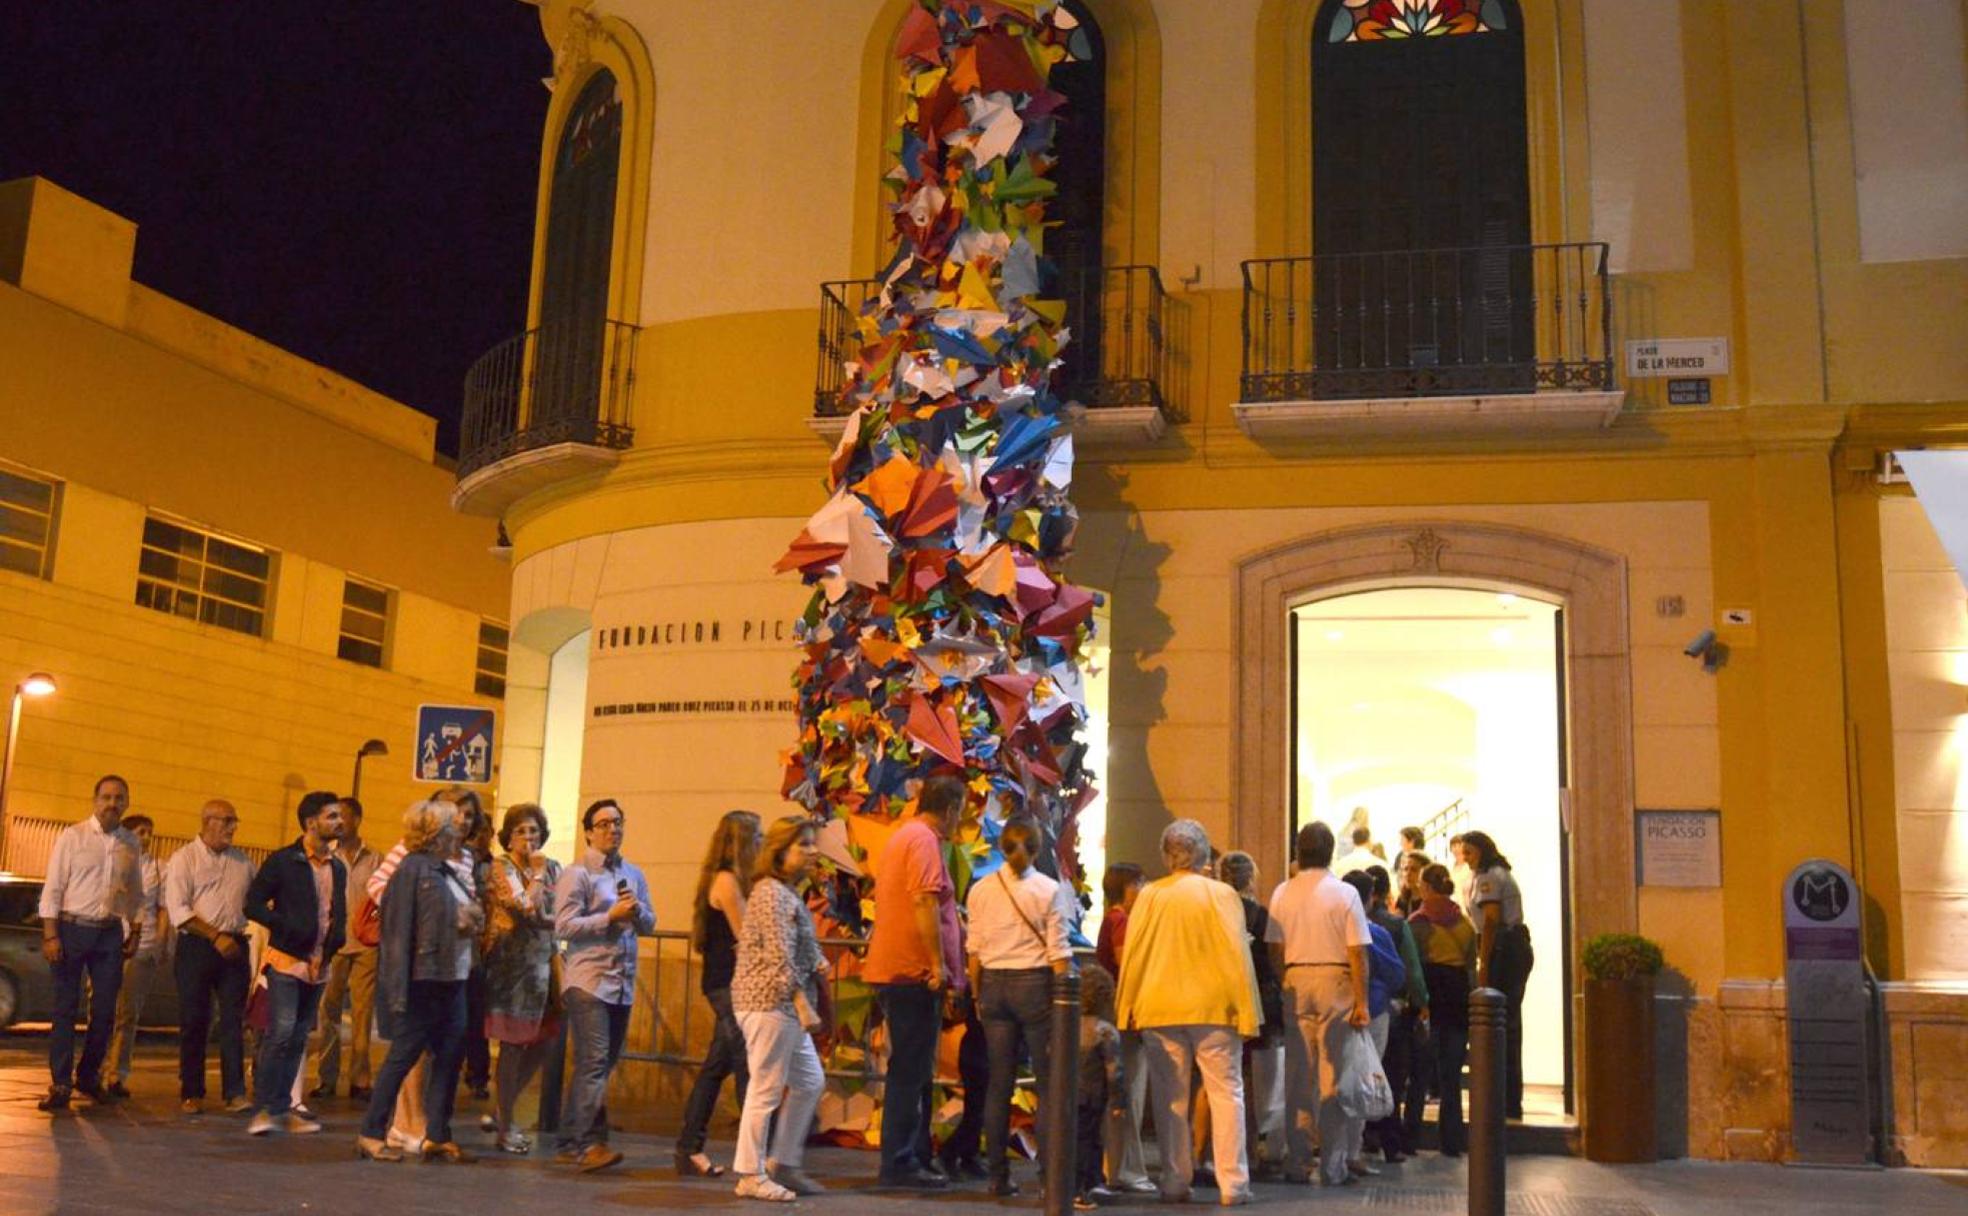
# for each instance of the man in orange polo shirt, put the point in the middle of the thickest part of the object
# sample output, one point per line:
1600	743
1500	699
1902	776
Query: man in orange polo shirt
914	957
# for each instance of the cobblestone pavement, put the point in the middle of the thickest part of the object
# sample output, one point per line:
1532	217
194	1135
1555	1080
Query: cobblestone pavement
143	1157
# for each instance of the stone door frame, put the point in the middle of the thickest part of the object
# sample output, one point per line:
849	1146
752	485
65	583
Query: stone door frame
1588	582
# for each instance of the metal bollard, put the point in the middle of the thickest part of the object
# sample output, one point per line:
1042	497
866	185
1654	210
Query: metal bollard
1059	1105
551	1082
1489	1016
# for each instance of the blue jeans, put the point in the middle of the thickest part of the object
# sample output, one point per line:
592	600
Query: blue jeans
433	1020
1013	1005
595	1030
290	1017
98	954
724	1058
914	1015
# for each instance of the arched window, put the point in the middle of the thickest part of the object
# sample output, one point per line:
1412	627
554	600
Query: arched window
1421	215
573	331
1079	205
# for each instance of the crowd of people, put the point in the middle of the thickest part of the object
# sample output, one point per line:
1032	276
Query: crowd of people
1255	1032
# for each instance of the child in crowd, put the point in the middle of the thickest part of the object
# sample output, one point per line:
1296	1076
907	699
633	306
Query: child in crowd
1103	1088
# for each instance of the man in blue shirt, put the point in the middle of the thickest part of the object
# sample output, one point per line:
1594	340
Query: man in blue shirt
601	905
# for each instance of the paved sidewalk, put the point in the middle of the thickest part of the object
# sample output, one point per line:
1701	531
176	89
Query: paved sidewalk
142	1157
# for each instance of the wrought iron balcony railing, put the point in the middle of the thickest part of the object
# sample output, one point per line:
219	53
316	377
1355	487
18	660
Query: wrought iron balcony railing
1431	322
565	382
1118	355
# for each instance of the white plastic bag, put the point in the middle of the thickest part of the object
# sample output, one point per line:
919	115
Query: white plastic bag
1363	1089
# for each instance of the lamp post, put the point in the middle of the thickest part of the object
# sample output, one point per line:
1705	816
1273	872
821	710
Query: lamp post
373	747
39	684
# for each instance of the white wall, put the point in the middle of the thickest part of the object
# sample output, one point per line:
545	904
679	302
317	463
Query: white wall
1909	89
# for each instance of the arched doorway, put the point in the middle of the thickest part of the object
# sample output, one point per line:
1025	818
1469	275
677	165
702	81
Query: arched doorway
1421	207
1597	719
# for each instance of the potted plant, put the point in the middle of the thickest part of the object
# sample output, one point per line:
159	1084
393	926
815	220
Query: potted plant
1619	1047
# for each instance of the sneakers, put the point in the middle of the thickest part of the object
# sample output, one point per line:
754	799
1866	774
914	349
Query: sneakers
56	1099
1085	1202
238	1104
795	1180
299	1124
191	1106
1140	1186
758	1186
261	1125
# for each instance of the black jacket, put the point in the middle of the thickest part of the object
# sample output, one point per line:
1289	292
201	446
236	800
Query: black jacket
283	899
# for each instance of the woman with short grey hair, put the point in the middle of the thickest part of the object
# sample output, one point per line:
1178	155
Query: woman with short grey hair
1187	985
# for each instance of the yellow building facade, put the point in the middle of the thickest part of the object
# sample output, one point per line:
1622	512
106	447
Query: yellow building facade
1770	198
238	566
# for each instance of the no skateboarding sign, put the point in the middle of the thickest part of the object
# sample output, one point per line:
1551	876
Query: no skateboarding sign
454	743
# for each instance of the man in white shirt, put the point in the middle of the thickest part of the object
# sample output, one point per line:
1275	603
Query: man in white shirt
140	970
205	897
1017	943
89	905
1323	959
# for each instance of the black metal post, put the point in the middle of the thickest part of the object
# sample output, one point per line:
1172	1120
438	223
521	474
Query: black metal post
1060	1103
1489	1015
552	1079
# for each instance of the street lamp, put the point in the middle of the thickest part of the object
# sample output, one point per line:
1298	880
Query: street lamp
374	747
39	684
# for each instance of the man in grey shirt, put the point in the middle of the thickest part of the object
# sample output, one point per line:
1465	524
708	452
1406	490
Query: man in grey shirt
205	897
601	905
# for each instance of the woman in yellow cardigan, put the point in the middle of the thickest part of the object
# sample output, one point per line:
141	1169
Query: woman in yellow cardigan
1188	987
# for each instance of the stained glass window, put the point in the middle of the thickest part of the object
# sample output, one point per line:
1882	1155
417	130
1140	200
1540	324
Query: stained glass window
1385	20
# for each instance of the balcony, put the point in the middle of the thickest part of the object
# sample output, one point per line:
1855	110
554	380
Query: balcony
543	406
1116	366
1496	340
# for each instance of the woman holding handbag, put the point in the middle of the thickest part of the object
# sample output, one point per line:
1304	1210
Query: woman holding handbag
522	999
779	995
1017	943
431	920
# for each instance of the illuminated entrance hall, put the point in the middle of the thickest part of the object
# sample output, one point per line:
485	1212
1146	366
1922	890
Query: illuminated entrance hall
1440	708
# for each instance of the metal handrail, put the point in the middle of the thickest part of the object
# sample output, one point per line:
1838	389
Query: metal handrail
1119	313
564	382
834	948
1428	322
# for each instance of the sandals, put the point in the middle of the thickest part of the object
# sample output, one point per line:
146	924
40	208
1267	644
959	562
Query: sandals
697	1165
758	1186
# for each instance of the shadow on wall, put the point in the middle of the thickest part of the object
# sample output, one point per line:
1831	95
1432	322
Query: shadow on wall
1115	555
1674	993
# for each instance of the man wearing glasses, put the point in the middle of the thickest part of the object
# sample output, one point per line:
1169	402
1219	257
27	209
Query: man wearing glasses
601	905
205	896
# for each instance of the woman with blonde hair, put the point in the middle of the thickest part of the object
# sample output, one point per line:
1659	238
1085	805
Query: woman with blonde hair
521	998
430	920
779	993
718	915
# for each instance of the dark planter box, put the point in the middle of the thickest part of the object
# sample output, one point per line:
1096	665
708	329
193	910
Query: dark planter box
1619	1071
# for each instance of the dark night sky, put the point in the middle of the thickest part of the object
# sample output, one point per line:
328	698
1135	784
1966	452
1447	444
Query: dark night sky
352	180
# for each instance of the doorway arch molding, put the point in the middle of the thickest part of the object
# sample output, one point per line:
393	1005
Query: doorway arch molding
1589	582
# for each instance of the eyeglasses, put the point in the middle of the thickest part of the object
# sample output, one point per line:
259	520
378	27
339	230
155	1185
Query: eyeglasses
606	823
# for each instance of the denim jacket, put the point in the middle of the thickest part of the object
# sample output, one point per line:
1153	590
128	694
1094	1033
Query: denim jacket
420	933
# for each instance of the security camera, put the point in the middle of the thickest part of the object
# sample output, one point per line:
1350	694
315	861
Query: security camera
1711	652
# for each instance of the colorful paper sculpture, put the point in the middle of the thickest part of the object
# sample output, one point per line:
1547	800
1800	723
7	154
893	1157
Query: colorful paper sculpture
941	636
